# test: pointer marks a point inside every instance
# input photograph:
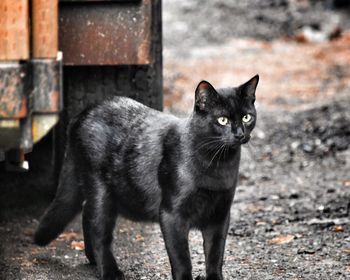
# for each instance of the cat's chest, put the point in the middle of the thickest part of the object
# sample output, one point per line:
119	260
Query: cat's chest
218	178
206	207
221	175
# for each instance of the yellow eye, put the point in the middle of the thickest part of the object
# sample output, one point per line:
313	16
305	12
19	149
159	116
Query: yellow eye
247	118
223	120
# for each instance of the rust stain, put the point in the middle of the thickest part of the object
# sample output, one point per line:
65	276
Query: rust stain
12	100
117	33
45	28
46	85
42	124
35	130
143	53
22	112
14	30
54	98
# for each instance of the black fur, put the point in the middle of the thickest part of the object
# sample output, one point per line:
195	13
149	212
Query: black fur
123	158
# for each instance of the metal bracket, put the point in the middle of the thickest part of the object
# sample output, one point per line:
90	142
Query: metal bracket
30	101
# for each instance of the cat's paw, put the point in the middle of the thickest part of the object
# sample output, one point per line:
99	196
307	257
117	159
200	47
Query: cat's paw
113	275
121	276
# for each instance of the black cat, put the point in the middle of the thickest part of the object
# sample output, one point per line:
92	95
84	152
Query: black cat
123	158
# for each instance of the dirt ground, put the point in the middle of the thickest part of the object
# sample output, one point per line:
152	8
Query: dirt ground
290	217
291	213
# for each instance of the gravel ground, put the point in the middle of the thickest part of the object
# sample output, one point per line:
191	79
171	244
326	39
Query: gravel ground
290	217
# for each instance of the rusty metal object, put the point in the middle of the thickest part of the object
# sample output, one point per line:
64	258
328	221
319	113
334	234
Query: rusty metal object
42	124
46	93
30	91
29	104
10	131
106	33
16	134
26	140
9	123
45	28
13	103
14	30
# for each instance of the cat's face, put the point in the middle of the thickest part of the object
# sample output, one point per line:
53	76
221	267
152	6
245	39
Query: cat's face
225	116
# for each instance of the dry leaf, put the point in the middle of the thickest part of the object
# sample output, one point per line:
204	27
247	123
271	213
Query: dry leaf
282	239
346	183
346	250
68	235
78	245
260	223
338	228
139	237
28	232
26	263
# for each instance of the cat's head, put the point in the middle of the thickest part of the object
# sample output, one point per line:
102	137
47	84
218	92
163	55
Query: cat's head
225	116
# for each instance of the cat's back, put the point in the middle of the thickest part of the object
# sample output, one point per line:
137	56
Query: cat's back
115	123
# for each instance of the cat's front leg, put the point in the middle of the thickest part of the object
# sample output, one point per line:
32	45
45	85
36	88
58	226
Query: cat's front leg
175	232
214	237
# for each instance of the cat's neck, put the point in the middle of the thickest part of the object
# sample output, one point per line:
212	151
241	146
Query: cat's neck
218	158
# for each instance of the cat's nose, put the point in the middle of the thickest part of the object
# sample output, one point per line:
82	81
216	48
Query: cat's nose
239	136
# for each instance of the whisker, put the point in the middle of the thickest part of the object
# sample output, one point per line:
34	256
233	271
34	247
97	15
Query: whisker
216	154
222	148
207	142
226	149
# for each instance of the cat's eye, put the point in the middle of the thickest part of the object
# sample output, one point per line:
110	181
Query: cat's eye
247	118
223	121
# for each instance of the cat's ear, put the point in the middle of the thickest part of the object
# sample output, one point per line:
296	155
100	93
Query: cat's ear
205	96
248	89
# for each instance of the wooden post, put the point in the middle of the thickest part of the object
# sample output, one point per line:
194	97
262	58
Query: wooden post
14	30
45	28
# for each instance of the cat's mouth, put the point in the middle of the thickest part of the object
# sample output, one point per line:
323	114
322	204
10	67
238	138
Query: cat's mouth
245	140
242	141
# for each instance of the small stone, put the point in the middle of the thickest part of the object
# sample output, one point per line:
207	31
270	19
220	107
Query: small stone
307	148
294	196
306	251
295	145
265	178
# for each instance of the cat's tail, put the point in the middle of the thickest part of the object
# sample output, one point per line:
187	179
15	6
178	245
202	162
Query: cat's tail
66	205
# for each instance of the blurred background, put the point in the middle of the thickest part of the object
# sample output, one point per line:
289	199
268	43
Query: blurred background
299	47
290	217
